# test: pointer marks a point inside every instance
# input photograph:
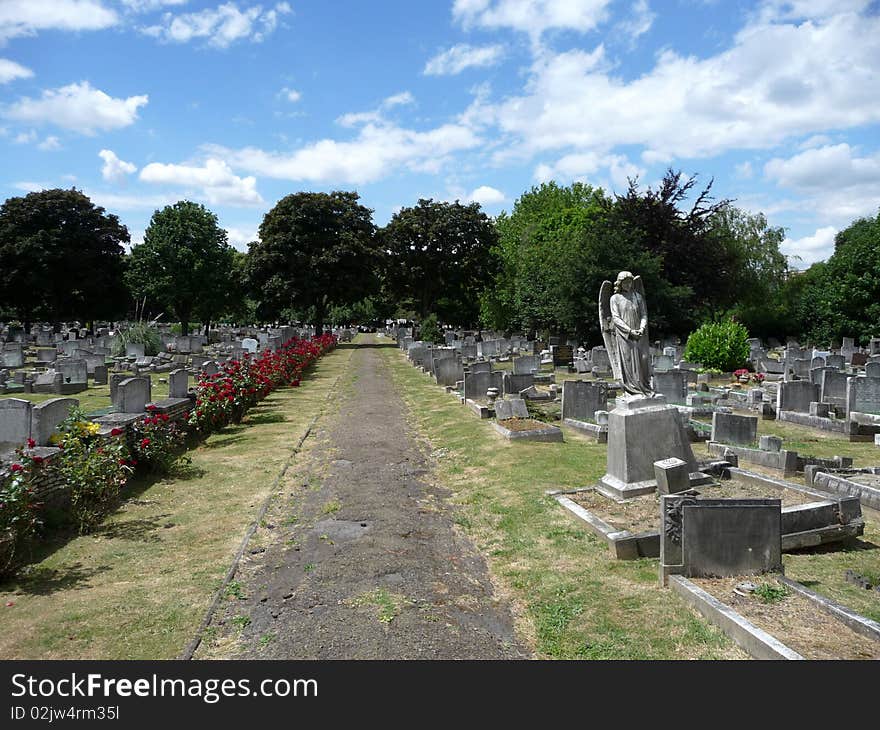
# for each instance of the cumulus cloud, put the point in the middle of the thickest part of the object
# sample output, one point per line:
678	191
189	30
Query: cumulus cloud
50	144
485	195
810	249
379	149
214	181
775	81
77	107
148	6
221	26
10	70
590	166
114	169
25	137
291	95
28	17
241	237
531	16
639	22
456	59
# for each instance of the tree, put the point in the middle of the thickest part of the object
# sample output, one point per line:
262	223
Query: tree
439	258
315	250
183	264
61	258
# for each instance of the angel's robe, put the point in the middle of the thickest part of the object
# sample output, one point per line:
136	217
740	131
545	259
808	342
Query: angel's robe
629	312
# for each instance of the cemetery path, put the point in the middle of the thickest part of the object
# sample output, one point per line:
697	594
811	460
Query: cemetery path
363	559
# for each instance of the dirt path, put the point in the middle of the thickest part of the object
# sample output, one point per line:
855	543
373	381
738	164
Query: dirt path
360	558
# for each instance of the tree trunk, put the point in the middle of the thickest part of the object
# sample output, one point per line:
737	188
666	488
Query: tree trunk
184	322
319	320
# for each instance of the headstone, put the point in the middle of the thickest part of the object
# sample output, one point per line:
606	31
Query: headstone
448	371
663	362
672	475
858	359
178	383
730	428
46	354
480	367
510	408
770	443
563	355
515	383
15	422
755	396
132	395
863	395
47	415
672	385
796	396
251	345
838	362
476	384
526	364
833	387
12	355
73	371
211	367
581	399
100	376
872	369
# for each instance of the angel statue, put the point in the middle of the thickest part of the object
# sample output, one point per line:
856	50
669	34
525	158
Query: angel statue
623	318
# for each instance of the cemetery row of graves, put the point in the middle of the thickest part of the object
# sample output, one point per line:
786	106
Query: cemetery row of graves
76	423
762	517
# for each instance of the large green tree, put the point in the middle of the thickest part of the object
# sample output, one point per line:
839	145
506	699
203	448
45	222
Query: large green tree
184	264
61	258
439	258
316	250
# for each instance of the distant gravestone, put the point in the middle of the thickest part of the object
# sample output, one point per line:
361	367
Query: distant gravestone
673	385
132	395
510	408
46	354
211	367
448	371
476	384
833	387
563	355
515	383
858	359
250	344
838	362
134	350
863	395
12	355
796	396
178	383
730	428
672	475
100	376
73	371
480	367
872	369
581	399
526	364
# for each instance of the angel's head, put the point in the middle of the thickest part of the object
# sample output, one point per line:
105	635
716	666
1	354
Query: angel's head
624	281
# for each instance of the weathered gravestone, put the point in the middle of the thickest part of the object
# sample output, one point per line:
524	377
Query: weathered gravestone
858	359
134	350
251	345
448	371
526	364
480	367
563	355
515	383
211	367
672	475
15	423
100	376
730	428
796	396
476	384
178	383
672	385
838	362
47	415
863	395
75	375
12	355
132	395
833	387
510	408
581	399
719	537
872	369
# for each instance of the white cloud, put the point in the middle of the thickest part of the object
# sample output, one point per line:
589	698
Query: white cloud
25	137
639	22
148	6
50	144
353	119
241	237
221	26
404	98
838	183
28	17
10	70
78	107
485	195
810	249
379	149
291	95
454	60
744	170
214	181
531	16
114	169
585	166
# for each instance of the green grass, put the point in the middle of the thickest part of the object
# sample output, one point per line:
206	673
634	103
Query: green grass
137	589
573	599
388	605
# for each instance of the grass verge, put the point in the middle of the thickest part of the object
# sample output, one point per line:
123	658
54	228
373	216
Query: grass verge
138	587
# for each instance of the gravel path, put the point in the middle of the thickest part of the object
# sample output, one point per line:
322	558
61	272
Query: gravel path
363	561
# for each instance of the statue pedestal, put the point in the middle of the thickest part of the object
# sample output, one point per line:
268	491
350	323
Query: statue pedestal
640	432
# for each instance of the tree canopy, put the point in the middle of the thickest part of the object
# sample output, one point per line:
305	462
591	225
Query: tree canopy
316	250
62	258
439	259
184	264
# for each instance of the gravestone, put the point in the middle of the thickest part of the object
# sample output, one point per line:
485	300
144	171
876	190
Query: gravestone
663	362
833	387
796	396
581	399
720	537
132	395
863	395
872	369
858	359
211	367
838	362
15	423
448	371
115	380
515	383
672	475
12	355
480	367
510	408
74	373
476	384
250	344
816	374
672	385
178	383
47	415
100	376
46	354
469	351
563	355
730	428
526	364
134	350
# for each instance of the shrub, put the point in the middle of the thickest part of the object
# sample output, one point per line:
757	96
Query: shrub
141	333
158	442
18	508
721	345
429	330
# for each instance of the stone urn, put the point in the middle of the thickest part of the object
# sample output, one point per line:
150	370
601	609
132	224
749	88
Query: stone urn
492	396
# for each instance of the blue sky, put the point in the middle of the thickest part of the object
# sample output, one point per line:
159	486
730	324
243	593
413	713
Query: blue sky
141	103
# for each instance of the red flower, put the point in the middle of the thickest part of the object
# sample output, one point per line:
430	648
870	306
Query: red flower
151	408
145	443
37	459
17	467
117	432
31	443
